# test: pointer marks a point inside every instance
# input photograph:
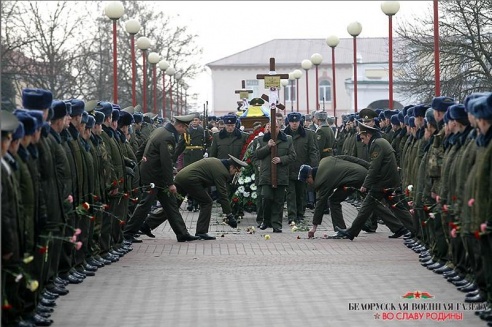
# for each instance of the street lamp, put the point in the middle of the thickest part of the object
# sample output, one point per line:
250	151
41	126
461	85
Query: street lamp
306	64
332	41
114	10
354	29
291	91
297	74
185	87
177	77
170	71
390	8
154	58
143	44
284	83
132	26
163	65
437	72
316	60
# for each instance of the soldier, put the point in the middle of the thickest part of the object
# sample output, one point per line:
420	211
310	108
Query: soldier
194	179
157	175
273	198
194	143
229	140
381	182
307	152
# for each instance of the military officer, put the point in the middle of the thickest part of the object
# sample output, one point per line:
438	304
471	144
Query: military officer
382	181
229	140
156	173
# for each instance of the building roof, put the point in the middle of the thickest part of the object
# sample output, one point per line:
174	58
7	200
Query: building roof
288	52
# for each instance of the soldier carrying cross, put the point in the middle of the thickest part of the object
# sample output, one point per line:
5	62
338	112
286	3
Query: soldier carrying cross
275	151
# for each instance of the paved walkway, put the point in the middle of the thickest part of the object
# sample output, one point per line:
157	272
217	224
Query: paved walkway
242	279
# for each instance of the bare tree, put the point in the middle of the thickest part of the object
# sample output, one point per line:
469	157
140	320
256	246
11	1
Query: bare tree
465	37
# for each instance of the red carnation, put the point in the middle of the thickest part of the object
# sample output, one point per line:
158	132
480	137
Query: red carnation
391	197
135	200
121	180
477	234
43	249
96	198
426	208
7	306
122	222
92	218
235	199
424	223
114	183
86	206
105	206
125	195
454	198
453	225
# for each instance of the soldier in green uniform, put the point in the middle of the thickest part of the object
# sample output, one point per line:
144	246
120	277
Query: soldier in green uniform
273	198
382	182
193	143
229	140
194	179
157	175
306	149
11	243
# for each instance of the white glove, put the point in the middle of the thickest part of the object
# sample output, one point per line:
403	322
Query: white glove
205	155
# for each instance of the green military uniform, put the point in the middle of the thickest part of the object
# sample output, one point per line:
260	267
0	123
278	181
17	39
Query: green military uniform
306	149
224	143
273	198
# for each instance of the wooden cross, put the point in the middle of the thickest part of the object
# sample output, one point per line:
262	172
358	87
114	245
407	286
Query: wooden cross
243	95
272	81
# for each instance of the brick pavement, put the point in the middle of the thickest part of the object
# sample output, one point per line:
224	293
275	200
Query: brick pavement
241	279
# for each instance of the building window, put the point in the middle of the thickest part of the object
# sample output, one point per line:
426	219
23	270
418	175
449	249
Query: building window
254	85
290	92
324	91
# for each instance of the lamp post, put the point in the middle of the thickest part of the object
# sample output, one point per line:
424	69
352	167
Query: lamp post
185	87
177	77
297	74
284	83
332	41
114	10
291	91
154	58
306	64
143	44
132	26
390	8
354	29
316	60
437	73
170	71
163	65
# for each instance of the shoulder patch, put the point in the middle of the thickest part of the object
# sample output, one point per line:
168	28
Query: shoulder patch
170	147
318	137
374	155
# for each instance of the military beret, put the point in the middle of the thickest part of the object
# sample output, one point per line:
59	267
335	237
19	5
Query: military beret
304	171
293	117
229	119
411	121
38	115
91	121
457	112
137	117
36	98
8	121
401	117
19	132
105	107
429	116
85	117
59	109
257	102
185	119
419	110
394	120
367	114
363	128
115	114
30	123
99	117
482	107
442	103
126	119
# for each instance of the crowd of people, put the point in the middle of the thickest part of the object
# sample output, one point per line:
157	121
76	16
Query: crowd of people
82	181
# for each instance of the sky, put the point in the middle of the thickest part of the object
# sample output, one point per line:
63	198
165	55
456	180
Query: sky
224	28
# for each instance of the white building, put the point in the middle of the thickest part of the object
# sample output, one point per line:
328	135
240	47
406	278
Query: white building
372	75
